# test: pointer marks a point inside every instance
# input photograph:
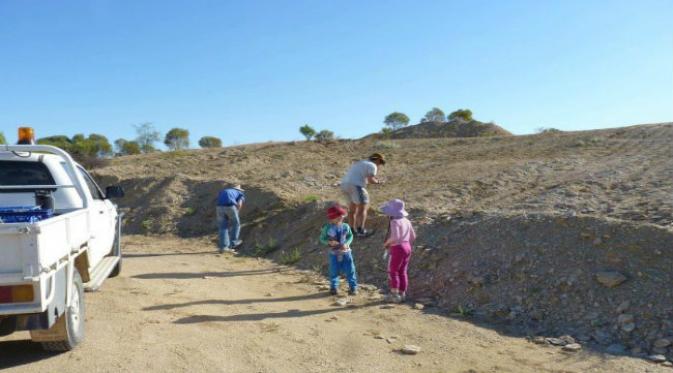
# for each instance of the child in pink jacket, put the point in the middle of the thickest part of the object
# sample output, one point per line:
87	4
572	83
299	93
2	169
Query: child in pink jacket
399	240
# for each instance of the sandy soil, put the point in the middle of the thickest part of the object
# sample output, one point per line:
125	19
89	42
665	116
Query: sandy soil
180	307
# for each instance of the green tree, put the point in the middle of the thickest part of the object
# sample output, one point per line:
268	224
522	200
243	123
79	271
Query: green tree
210	142
100	144
81	147
147	135
58	141
130	148
396	120
464	114
324	136
2	138
119	145
307	131
177	139
434	115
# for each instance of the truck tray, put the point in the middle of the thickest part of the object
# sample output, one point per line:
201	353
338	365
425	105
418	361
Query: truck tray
24	214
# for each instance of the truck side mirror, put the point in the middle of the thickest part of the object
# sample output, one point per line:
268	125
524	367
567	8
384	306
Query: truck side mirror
114	191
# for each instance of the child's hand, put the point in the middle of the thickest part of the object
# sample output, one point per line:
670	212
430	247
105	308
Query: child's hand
333	243
344	248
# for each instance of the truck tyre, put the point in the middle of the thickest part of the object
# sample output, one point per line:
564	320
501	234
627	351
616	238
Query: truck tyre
118	268
73	318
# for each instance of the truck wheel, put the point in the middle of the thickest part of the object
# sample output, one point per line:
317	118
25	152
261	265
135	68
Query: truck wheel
73	317
118	268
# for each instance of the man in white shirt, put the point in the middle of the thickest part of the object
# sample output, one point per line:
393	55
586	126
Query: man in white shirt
353	185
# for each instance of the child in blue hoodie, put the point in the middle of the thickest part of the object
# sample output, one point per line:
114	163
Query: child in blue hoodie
339	236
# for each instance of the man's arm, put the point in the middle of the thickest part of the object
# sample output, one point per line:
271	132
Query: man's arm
373	180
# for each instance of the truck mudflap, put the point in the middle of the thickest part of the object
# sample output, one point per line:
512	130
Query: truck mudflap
40	320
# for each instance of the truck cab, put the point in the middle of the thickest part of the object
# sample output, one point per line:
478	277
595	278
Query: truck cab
60	234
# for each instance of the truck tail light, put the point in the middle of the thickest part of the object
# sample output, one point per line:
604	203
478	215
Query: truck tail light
16	294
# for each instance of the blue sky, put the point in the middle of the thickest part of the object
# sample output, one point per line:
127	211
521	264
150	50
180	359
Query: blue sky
252	71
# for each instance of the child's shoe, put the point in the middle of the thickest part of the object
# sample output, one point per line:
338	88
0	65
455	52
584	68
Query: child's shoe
403	297
393	298
333	292
353	291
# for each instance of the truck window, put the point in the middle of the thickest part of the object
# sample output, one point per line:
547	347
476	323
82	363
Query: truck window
24	173
93	188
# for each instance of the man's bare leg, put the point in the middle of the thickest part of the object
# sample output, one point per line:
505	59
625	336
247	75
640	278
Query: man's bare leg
362	215
351	214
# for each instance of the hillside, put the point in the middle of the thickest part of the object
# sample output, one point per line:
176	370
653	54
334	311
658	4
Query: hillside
453	128
516	232
621	173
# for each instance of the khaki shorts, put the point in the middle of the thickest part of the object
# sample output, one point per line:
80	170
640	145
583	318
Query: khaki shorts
355	194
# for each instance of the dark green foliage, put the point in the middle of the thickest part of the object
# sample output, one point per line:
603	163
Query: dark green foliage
80	147
464	114
396	120
130	148
210	142
307	131
177	139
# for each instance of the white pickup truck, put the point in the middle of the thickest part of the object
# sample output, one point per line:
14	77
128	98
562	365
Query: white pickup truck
59	235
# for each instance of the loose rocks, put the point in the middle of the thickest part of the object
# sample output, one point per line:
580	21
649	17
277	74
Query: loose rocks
572	347
657	358
413	350
662	343
610	278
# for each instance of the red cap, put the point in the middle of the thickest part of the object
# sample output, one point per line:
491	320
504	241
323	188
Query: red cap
336	211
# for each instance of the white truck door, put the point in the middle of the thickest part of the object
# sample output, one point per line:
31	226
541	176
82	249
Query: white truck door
102	218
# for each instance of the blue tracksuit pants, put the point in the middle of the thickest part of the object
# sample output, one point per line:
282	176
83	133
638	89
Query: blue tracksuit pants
345	266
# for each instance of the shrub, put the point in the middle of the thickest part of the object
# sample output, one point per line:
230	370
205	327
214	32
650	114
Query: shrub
548	131
290	258
130	148
147	224
464	114
311	198
177	139
147	135
434	115
2	138
324	136
307	131
210	142
396	120
264	250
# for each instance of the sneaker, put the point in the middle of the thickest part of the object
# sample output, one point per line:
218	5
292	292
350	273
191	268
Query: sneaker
363	233
353	292
237	243
393	298
229	250
403	297
333	292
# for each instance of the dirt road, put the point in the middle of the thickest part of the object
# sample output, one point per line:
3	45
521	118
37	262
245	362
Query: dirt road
179	307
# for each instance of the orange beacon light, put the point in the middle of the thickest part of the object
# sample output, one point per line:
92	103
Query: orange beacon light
26	136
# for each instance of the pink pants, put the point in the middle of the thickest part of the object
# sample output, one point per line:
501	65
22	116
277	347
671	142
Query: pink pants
397	266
